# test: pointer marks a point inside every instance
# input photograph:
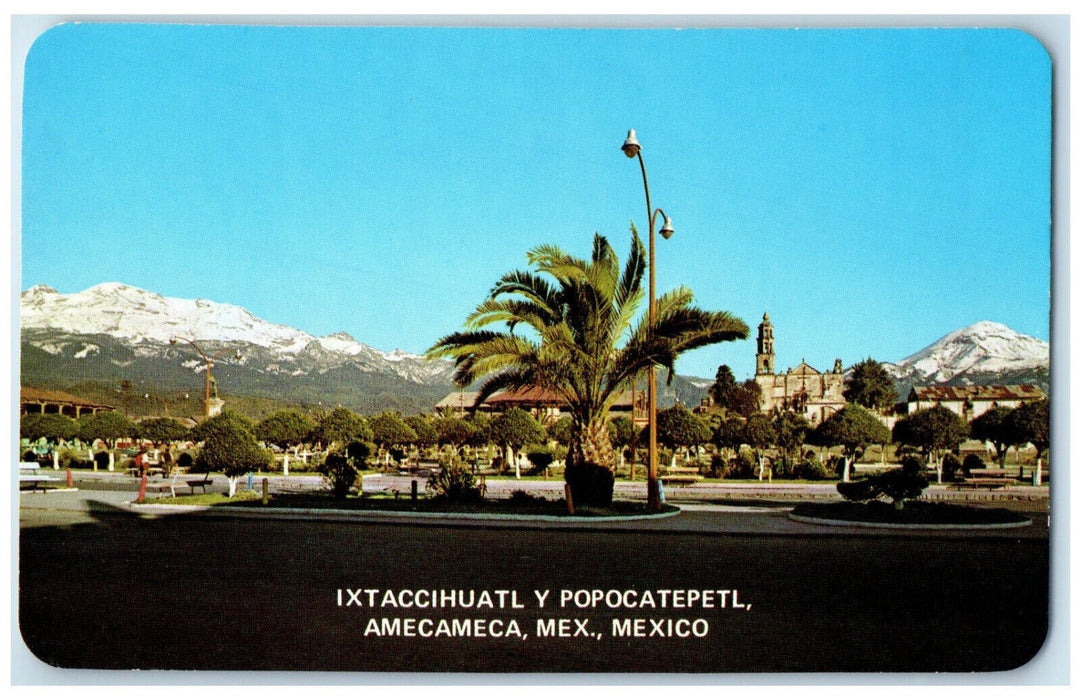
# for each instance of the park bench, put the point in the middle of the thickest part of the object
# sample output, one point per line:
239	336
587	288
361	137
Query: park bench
681	475
194	482
988	474
31	474
982	483
169	485
162	485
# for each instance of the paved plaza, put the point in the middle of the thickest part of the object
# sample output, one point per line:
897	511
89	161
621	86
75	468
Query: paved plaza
108	587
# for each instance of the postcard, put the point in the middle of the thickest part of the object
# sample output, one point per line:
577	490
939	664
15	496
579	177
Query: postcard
473	349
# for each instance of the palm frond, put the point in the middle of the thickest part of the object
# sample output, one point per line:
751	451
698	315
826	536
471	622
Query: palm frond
521	378
512	312
533	287
478	353
676	331
548	258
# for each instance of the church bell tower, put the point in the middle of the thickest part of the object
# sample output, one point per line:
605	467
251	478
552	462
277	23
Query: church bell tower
764	358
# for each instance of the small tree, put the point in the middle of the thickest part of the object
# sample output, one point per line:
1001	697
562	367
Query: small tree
229	446
993	426
1031	422
478	435
677	427
789	430
424	429
934	430
758	433
620	432
742	399
109	426
452	431
162	430
870	386
286	428
853	429
341	427
340	469
540	457
515	429
729	434
724	386
561	430
51	426
390	431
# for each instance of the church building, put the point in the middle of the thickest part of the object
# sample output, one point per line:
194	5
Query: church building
816	395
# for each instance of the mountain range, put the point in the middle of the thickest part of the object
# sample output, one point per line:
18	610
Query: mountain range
114	332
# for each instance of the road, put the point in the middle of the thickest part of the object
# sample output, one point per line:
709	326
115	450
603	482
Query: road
107	589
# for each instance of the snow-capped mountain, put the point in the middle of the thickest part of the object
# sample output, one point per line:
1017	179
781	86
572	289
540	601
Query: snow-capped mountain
115	332
983	353
130	328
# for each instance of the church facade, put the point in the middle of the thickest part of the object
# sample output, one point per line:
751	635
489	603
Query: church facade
803	389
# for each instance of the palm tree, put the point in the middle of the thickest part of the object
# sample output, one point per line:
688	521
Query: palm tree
583	341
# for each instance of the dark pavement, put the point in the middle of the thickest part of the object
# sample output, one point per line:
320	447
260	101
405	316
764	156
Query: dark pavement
101	587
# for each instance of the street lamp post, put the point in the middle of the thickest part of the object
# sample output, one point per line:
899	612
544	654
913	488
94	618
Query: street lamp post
209	361
632	148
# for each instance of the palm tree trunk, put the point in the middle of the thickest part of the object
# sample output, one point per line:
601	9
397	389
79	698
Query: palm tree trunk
590	471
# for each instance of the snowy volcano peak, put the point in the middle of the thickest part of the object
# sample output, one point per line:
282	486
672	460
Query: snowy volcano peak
148	321
138	316
39	290
980	349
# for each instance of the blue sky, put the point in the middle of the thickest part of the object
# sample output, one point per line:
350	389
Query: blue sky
872	189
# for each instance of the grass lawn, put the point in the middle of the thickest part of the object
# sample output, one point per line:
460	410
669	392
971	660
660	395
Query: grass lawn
914	513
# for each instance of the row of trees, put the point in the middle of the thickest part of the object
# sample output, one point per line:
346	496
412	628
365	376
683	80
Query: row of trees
108	426
933	431
392	433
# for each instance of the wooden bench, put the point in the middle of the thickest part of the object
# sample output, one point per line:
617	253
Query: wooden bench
986	483
988	474
31	474
169	485
681	475
200	482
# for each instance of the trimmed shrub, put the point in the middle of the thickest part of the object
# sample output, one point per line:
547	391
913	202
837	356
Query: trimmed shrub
74	459
540	457
972	462
355	450
951	466
454	482
590	484
783	468
524	498
813	470
102	460
744	466
340	473
718	467
898	485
